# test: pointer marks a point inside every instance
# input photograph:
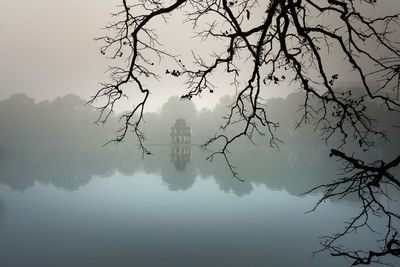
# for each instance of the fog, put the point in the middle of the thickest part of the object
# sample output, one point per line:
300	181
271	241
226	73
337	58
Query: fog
66	199
47	53
39	138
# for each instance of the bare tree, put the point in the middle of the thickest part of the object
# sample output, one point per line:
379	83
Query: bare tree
277	42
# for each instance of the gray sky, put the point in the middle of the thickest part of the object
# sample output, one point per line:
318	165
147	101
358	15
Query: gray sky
47	50
47	46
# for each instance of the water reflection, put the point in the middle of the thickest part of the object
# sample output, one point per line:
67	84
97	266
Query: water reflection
136	221
180	156
72	165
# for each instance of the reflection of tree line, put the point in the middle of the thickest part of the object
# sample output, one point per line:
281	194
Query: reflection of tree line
56	142
71	166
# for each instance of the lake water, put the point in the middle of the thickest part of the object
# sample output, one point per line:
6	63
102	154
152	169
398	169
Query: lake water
75	205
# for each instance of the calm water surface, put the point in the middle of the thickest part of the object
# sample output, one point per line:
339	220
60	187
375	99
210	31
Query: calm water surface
64	206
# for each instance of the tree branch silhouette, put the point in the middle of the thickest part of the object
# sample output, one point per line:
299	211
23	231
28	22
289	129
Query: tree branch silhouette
291	42
372	184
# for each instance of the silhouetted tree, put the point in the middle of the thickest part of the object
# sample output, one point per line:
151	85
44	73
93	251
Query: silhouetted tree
279	42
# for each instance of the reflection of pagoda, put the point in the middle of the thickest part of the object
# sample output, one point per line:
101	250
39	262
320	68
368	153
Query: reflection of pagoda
180	140
180	133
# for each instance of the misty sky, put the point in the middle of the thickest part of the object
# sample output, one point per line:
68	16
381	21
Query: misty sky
48	50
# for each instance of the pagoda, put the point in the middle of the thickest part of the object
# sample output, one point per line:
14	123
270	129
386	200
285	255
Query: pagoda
181	133
181	138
